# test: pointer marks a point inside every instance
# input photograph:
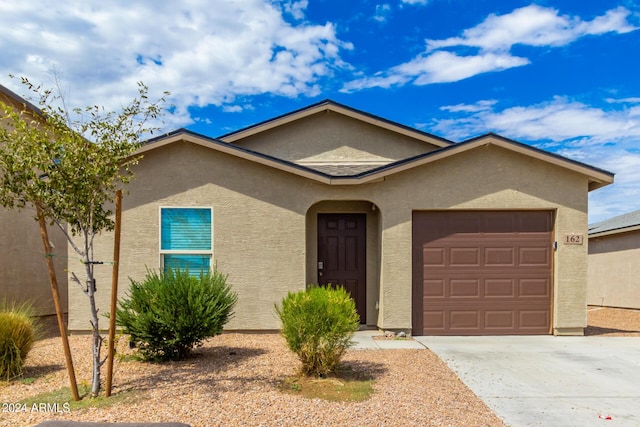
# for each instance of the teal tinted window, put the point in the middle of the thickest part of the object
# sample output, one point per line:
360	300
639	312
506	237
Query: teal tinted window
186	229
185	239
195	264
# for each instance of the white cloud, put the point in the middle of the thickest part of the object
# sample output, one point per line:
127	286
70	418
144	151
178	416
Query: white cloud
202	54
295	8
534	26
632	100
442	66
382	11
556	121
482	105
624	195
412	2
232	109
438	67
493	39
605	138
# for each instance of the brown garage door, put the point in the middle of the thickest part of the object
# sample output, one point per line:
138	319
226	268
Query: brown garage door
482	273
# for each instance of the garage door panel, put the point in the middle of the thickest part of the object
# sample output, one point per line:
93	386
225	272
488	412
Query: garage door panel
534	256
487	272
464	257
464	288
499	288
535	287
499	256
464	319
534	319
499	319
465	222
434	288
492	287
435	319
433	257
537	222
499	223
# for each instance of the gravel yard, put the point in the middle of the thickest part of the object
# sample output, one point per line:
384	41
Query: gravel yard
613	322
233	380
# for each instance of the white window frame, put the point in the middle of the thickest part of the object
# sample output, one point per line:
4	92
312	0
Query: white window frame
163	252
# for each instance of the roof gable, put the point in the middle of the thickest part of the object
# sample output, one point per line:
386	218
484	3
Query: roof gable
597	177
332	106
334	173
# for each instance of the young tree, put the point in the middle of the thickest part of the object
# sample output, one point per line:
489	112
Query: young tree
69	165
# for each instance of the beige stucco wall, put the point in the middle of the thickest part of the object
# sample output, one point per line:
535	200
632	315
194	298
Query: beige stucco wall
23	271
614	270
262	224
330	136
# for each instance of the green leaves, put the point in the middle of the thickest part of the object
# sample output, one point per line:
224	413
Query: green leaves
71	163
318	325
169	313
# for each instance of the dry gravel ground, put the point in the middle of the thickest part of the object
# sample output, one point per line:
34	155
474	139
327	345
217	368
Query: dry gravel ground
613	322
233	381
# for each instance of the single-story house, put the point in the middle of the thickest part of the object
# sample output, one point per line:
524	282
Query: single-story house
429	236
614	262
23	271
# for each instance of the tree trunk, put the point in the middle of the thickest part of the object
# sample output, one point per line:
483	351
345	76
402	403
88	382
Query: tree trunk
62	327
97	346
96	340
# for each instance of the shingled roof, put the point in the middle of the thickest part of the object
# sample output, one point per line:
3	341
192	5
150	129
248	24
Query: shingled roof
618	224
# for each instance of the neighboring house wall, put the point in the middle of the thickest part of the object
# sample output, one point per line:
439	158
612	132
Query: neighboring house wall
264	235
614	270
23	270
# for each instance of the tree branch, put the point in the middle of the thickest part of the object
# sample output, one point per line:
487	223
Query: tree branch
69	237
75	279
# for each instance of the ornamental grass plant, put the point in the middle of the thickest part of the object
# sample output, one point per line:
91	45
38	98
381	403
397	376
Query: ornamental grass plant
318	325
19	330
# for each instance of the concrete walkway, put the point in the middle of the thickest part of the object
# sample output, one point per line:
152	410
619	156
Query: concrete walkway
363	340
549	381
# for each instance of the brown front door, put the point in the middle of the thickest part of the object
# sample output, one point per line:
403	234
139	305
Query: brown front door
342	255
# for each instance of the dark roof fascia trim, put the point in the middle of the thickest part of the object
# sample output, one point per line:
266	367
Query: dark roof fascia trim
215	141
356	178
273	119
612	231
346	107
20	100
462	144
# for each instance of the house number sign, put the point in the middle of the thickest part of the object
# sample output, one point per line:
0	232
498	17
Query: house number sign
572	239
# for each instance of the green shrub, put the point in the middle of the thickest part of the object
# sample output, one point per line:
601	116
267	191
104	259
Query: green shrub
318	325
169	313
18	332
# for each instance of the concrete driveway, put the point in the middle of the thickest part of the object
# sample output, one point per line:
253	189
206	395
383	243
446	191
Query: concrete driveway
549	381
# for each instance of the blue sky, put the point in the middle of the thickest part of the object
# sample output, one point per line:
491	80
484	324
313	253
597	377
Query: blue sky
561	75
